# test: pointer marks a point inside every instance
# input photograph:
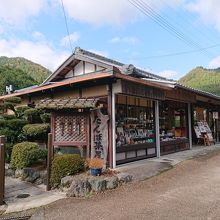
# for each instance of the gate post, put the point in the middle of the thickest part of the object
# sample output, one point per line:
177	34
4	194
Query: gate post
49	159
2	169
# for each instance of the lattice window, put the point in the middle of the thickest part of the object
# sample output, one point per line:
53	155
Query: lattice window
70	128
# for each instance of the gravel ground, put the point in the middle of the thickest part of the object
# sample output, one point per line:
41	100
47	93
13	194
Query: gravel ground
191	190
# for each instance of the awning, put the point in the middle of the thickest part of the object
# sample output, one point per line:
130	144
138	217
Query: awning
67	103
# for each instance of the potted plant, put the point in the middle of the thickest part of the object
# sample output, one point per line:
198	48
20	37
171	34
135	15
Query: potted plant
96	165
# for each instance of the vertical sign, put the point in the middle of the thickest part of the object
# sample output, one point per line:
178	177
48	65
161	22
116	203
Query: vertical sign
99	135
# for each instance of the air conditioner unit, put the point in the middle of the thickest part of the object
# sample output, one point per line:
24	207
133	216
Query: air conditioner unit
9	89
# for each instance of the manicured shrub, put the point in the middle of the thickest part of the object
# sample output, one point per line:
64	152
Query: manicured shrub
45	117
21	109
8	151
32	115
25	154
16	124
8	117
36	131
15	100
64	165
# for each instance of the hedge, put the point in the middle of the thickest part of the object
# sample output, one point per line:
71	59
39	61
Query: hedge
15	100
33	115
45	117
64	165
36	130
25	154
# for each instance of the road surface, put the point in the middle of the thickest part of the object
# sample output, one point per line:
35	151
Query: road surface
191	190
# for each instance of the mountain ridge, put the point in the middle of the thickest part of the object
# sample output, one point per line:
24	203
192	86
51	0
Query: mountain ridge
204	79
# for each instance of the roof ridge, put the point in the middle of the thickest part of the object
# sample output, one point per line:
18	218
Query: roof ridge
79	50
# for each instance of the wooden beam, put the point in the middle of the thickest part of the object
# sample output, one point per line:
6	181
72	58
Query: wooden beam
2	169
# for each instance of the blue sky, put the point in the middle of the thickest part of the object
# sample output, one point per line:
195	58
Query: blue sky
115	28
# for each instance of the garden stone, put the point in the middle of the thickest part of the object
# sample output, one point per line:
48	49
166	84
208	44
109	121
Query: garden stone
98	184
9	172
38	181
30	172
66	181
79	188
124	177
19	173
111	182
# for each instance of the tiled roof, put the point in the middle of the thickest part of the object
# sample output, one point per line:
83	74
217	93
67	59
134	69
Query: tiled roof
67	103
133	70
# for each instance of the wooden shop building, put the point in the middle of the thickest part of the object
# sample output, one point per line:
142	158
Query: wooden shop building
119	112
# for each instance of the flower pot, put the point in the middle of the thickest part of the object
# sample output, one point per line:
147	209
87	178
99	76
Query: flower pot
96	171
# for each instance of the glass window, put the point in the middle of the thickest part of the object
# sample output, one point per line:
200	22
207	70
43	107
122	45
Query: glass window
173	120
134	120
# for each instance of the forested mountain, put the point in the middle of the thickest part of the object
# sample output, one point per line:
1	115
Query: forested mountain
20	73
204	79
36	71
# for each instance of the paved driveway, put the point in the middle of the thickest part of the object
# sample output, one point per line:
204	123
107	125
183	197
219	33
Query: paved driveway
191	190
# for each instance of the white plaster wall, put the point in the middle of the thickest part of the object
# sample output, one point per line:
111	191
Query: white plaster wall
78	70
69	74
89	67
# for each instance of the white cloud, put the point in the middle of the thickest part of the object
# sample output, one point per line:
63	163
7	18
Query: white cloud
170	74
74	37
1	30
208	11
111	12
38	36
215	63
129	40
16	12
37	51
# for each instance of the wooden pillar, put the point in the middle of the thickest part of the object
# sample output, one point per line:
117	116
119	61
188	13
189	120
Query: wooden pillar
49	159
190	125
113	132
110	126
2	169
157	127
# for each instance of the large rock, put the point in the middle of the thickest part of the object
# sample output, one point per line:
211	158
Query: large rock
31	174
124	177
66	181
79	188
19	173
112	182
97	184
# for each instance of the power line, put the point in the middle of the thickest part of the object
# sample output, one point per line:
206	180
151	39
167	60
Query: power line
150	12
67	28
180	53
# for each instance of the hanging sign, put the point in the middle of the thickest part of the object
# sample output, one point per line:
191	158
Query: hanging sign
99	134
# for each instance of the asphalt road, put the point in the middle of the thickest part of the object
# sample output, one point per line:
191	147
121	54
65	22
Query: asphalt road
191	190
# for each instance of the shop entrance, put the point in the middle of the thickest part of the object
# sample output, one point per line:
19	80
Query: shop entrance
174	134
135	129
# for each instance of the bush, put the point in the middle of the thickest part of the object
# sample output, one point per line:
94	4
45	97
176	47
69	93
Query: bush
64	165
16	124
32	115
15	100
45	117
36	131
8	151
25	154
21	109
